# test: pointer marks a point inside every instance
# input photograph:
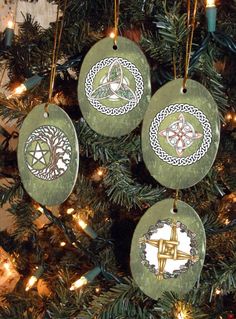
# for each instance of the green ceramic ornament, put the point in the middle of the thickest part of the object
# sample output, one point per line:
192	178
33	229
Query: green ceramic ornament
180	134
168	250
114	87
48	155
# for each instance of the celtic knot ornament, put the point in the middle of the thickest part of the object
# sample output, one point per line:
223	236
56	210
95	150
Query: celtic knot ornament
48	155
168	250
180	134
114	87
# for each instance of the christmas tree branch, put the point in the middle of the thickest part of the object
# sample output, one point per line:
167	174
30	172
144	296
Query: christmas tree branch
124	190
107	149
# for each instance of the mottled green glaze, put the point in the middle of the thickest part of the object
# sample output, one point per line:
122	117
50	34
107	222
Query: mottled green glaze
114	125
179	177
48	192
147	280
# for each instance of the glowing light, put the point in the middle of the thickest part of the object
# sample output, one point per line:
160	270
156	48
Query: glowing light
210	3
7	267
227	221
40	209
30	283
19	90
79	283
229	116
98	289
112	34
10	24
234	118
181	315
100	172
82	224
218	291
62	244
70	211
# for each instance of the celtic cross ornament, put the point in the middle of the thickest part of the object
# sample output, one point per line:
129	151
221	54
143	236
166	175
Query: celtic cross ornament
180	134
48	155
114	87
168	250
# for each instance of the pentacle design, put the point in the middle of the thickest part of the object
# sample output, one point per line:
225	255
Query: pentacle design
47	152
114	86
180	134
168	249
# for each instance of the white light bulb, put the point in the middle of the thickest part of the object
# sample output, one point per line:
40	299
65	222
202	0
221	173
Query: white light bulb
20	89
31	282
79	283
10	24
210	3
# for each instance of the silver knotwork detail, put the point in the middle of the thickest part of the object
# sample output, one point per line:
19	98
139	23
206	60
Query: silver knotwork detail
131	98
154	138
47	152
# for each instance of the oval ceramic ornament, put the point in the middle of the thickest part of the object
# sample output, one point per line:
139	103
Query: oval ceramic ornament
114	87
168	250
48	155
180	134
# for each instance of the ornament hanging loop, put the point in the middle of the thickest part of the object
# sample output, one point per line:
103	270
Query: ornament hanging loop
191	26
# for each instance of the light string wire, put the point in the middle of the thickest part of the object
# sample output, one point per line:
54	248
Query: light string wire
189	38
55	52
116	19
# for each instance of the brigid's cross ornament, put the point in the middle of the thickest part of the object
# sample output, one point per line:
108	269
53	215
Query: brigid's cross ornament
168	249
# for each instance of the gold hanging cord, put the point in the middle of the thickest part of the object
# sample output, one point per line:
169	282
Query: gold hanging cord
190	38
55	52
116	19
174	66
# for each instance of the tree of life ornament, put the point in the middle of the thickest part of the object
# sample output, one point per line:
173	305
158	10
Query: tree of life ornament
114	88
47	152
167	250
180	135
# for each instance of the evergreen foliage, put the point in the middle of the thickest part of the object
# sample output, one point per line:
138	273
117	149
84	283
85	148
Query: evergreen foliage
112	203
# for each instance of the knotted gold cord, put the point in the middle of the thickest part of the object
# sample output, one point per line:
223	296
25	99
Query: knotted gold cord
116	19
175	201
189	39
55	52
174	66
